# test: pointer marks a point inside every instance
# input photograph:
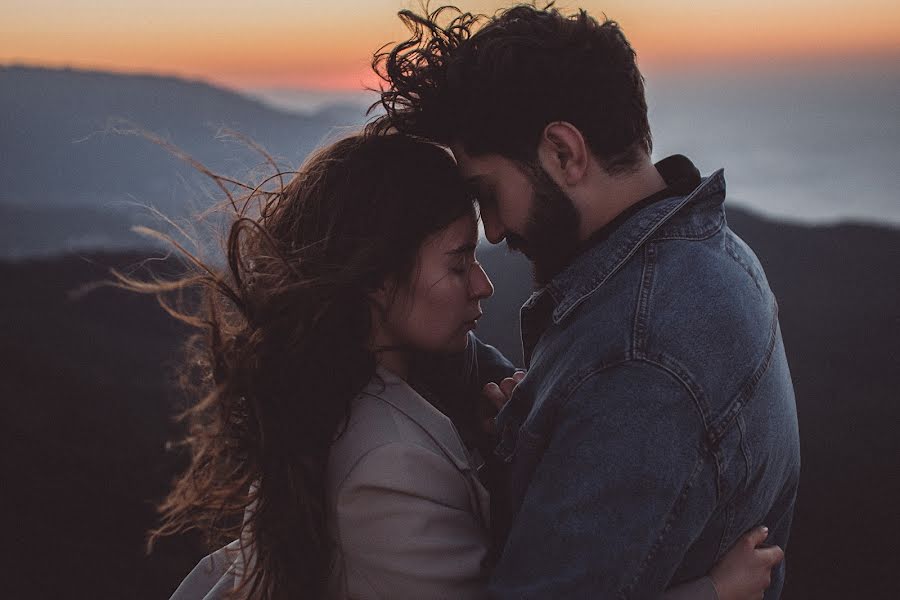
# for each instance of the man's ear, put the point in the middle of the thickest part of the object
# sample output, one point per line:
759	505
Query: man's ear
563	152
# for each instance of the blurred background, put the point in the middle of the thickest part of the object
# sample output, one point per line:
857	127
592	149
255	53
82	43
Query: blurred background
798	101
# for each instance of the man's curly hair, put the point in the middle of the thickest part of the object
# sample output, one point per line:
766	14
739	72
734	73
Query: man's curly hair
494	83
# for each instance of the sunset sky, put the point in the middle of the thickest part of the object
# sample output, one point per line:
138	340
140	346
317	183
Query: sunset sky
328	44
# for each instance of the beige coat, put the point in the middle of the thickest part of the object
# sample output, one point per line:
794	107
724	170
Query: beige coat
411	516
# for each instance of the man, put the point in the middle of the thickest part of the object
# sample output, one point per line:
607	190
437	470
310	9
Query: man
657	421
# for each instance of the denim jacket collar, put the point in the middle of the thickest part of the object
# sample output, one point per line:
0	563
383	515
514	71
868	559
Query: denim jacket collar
591	269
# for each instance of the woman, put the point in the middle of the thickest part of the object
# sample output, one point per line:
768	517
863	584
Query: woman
313	443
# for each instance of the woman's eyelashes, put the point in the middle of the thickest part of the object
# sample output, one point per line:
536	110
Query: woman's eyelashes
462	265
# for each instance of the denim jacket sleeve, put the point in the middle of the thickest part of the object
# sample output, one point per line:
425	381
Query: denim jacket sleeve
621	490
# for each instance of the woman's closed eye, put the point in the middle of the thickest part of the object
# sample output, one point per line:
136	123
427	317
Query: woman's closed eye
461	266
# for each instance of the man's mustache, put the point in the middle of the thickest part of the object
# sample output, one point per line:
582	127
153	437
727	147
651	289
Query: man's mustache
517	243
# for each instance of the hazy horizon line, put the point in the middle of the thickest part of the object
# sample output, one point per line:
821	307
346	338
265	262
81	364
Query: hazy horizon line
888	61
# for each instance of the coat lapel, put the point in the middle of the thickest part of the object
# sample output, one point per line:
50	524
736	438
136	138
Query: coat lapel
437	425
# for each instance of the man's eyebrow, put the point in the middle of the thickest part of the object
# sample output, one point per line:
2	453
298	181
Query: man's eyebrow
463	249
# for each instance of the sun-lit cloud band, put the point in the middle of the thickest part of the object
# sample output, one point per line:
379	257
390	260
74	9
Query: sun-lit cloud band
328	44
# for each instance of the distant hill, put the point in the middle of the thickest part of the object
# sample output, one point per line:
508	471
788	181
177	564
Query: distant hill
57	150
86	399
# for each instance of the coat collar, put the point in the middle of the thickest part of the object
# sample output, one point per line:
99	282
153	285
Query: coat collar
595	266
396	392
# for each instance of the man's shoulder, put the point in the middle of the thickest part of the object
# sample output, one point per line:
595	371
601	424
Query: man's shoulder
717	281
700	308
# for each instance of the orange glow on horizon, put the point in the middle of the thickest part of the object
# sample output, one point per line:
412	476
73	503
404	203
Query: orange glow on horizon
306	44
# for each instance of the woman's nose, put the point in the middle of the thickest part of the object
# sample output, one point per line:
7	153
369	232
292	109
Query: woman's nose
481	285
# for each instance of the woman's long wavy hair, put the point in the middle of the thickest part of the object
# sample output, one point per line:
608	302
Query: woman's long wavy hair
284	346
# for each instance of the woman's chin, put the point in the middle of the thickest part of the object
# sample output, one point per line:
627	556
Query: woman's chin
458	343
453	345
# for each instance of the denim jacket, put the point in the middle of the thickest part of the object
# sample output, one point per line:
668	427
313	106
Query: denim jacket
657	421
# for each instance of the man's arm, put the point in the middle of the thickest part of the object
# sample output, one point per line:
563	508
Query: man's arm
620	493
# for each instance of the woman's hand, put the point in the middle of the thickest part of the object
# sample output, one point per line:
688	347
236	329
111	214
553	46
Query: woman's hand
494	396
745	571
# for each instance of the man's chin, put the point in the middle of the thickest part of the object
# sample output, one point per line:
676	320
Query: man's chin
520	249
524	253
546	268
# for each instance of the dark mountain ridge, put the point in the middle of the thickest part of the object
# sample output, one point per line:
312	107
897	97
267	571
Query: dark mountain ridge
86	385
62	148
87	398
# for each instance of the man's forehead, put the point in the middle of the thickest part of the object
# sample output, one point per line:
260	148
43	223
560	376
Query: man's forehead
469	166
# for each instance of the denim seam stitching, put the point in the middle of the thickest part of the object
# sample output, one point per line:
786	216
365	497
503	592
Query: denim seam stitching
675	370
726	531
747	389
680	374
699	236
557	401
580	378
626	252
674	512
703	451
745	447
729	249
720	485
709	186
642	311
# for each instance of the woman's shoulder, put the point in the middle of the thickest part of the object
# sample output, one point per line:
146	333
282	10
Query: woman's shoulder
389	414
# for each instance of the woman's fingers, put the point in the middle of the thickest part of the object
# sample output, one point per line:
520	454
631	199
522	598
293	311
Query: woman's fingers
746	569
495	396
507	386
755	536
771	555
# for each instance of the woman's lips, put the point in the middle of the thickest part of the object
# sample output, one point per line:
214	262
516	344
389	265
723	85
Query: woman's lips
472	323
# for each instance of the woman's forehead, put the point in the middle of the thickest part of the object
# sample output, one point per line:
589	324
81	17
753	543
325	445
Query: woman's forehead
458	235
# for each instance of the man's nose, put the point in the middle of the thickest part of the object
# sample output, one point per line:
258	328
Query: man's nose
493	229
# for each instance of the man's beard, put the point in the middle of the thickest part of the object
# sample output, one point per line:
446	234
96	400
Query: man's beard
550	239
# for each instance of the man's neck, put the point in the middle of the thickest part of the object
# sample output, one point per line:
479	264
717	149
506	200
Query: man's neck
618	193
